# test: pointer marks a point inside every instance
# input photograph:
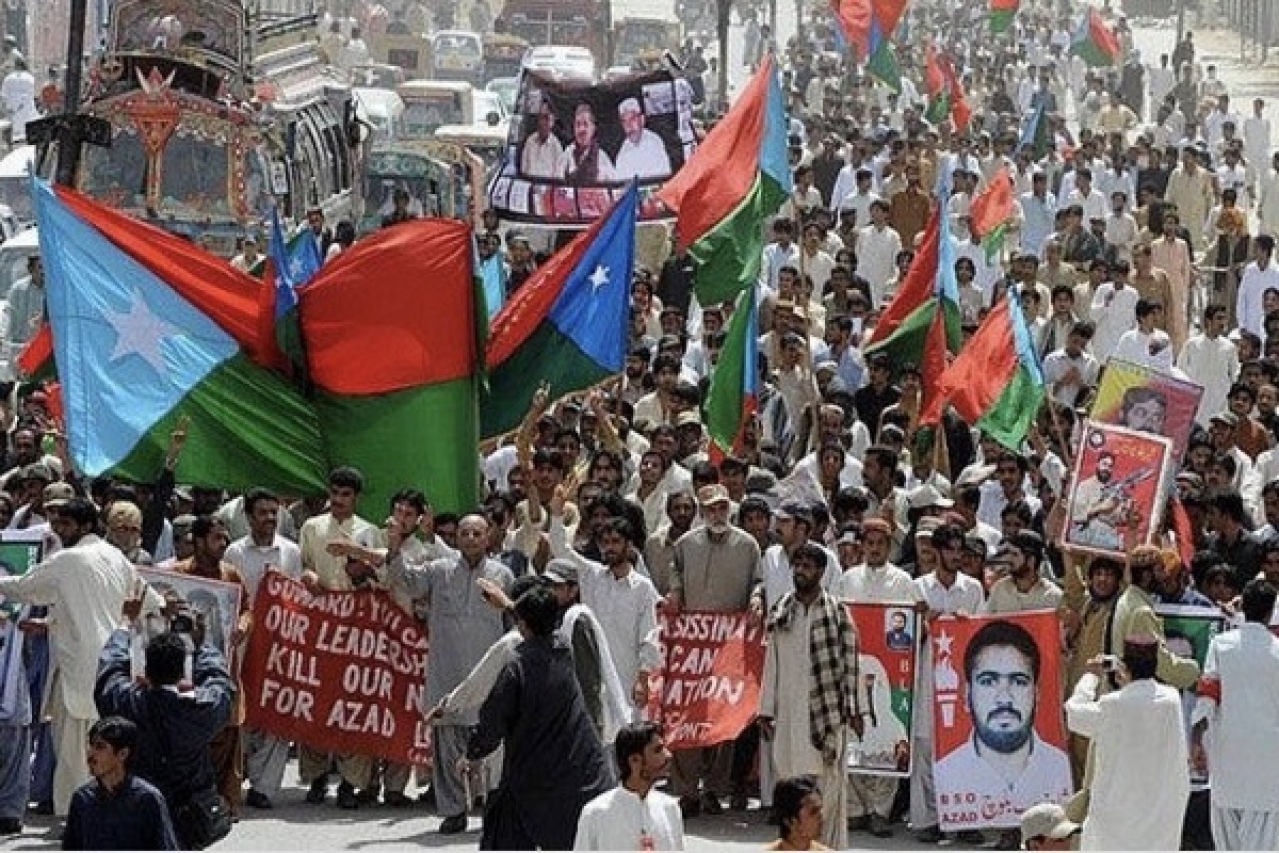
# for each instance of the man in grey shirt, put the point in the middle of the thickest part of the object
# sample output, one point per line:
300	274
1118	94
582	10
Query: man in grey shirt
462	628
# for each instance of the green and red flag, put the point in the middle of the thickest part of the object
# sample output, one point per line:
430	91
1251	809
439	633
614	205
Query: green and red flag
992	212
946	97
1095	41
737	178
394	357
996	382
733	396
1002	13
567	326
921	326
147	330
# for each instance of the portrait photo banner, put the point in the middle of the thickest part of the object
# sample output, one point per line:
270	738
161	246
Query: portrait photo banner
708	690
1120	480
887	638
999	740
339	671
217	601
1135	396
575	148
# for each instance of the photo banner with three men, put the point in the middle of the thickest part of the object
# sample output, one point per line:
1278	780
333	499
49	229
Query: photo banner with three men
575	148
999	739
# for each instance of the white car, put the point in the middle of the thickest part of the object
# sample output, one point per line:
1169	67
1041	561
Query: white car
561	62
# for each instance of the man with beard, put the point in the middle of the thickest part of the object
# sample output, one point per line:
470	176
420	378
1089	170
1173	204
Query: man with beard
1096	510
634	816
1024	588
809	692
584	162
1086	632
1005	763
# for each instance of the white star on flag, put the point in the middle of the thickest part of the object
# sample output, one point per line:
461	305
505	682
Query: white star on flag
944	642
599	278
140	332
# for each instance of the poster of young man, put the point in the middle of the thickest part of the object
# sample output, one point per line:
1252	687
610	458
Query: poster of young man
886	660
574	148
999	739
1120	480
1145	400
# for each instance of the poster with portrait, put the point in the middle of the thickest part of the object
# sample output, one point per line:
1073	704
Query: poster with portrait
17	556
1141	398
575	148
1121	478
999	740
888	652
218	601
1188	631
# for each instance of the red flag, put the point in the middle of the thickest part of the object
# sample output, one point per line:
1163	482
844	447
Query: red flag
993	206
917	288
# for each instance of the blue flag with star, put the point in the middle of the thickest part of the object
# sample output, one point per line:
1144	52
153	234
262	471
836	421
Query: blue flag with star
568	325
296	262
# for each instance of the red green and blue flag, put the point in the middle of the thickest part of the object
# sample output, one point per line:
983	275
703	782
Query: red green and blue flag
733	396
568	324
1095	41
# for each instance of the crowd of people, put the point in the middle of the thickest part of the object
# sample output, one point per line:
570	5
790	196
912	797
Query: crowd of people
1143	230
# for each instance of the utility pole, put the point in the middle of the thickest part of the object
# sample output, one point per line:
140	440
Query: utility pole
70	129
1181	28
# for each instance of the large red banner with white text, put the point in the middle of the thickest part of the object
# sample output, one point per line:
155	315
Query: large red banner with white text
340	671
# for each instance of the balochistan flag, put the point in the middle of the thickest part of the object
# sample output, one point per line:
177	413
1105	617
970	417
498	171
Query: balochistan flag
35	362
945	94
737	178
567	325
1095	41
1002	13
137	352
992	211
734	389
868	24
996	382
921	326
393	345
1036	134
293	264
883	66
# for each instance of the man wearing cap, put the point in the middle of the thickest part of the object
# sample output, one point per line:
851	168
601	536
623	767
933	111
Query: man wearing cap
642	153
622	600
717	568
88	581
1046	827
1025	588
1139	783
945	591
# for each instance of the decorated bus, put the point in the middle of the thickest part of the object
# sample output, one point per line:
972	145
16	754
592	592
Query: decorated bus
215	118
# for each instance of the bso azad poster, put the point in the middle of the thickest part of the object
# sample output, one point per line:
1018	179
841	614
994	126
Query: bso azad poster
999	739
887	636
1120	479
575	148
1145	400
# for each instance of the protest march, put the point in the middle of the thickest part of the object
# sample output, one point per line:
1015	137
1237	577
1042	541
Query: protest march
838	424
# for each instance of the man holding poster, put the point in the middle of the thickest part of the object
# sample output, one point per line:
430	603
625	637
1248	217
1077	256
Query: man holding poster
1004	767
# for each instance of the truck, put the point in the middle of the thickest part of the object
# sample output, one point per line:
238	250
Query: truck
583	23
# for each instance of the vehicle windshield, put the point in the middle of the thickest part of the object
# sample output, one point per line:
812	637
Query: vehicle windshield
640	36
422	117
16	193
463	46
116	176
194	178
13	266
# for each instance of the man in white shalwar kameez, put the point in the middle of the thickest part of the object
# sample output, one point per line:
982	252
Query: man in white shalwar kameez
1141	779
1239	709
808	698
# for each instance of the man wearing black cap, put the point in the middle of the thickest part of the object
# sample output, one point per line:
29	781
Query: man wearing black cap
1139	785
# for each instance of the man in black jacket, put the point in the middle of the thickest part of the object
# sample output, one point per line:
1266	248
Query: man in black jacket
536	710
176	722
